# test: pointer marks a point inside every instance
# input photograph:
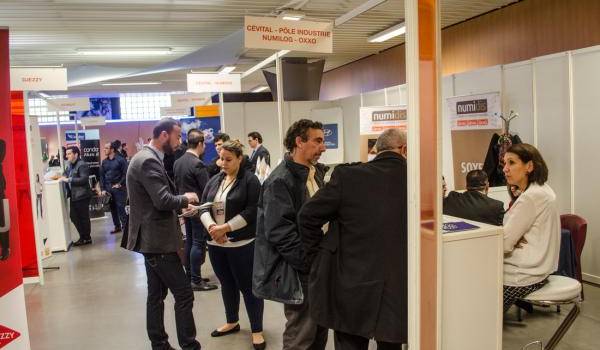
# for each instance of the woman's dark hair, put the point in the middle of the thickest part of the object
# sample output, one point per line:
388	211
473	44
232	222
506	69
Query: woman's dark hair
526	153
299	128
234	146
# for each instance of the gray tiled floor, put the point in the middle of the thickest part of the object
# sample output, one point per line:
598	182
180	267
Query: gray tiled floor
97	301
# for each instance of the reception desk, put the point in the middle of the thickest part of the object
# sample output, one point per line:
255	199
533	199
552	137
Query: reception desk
472	275
59	224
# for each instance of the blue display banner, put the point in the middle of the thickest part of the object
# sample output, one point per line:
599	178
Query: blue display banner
210	126
331	135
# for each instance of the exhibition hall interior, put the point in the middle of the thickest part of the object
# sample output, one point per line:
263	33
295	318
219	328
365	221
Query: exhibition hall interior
299	174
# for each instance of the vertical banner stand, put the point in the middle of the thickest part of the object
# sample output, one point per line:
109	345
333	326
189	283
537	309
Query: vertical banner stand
280	97
222	111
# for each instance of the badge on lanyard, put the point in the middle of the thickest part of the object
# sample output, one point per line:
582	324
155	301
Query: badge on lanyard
219	208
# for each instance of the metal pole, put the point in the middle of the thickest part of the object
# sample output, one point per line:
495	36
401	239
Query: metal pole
222	111
280	97
59	143
76	131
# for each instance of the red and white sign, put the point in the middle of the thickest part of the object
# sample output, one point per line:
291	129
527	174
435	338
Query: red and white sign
214	83
279	34
175	111
38	79
374	120
7	335
475	112
191	100
68	104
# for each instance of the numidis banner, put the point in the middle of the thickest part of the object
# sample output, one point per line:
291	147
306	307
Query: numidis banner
475	112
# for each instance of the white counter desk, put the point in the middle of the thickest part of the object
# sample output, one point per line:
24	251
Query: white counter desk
59	224
472	275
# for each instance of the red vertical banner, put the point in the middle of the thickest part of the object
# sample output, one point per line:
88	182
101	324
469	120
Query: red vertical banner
26	228
12	299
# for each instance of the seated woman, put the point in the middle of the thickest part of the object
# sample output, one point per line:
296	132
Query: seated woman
531	225
231	223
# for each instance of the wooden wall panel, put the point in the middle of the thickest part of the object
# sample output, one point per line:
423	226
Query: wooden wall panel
527	29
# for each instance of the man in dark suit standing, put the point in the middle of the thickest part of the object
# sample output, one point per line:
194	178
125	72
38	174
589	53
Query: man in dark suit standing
474	204
358	282
258	150
154	231
80	193
191	176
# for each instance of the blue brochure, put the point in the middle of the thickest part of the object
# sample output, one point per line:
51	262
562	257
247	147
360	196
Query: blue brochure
457	226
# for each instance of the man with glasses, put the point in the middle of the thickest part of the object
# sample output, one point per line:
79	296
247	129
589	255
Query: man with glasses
474	204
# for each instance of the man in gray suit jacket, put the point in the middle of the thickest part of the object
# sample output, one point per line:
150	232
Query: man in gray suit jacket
154	231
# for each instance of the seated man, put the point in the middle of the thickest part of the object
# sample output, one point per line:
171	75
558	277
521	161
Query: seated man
474	204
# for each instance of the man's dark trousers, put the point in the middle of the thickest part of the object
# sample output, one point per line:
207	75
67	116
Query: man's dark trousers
345	341
301	332
165	272
195	249
80	217
118	198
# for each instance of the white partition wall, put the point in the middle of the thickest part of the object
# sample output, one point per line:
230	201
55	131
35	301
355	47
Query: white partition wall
517	95
553	116
586	108
447	159
478	81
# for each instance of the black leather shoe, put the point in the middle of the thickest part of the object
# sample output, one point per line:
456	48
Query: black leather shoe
217	333
203	287
205	279
116	230
261	346
81	242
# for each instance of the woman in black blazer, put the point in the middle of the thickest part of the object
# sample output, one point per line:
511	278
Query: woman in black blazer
231	223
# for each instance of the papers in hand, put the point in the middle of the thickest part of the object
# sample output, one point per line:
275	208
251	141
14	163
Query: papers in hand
194	209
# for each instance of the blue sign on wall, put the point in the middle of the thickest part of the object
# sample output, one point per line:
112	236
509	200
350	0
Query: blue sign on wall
331	135
210	126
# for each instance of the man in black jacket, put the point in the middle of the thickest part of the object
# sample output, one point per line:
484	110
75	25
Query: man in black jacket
474	204
358	282
258	150
280	270
214	167
191	176
113	172
154	231
77	178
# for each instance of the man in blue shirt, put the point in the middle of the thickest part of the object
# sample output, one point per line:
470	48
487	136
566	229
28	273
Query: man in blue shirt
113	172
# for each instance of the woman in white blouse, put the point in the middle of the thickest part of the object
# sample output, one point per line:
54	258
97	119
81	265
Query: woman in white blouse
231	223
531	225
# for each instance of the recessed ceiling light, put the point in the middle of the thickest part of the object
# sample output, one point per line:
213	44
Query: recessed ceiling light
133	83
260	88
148	51
226	69
387	34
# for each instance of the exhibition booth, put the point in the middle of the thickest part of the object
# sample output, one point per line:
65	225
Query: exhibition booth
549	102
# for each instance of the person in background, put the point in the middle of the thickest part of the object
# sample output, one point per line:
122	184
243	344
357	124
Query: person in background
258	150
76	177
371	260
474	204
214	167
444	186
113	173
119	147
531	225
124	151
280	269
4	209
231	223
191	176
154	231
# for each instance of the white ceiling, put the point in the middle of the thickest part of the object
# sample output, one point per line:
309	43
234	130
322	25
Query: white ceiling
48	32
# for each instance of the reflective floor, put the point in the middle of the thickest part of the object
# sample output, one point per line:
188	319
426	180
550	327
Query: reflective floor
96	300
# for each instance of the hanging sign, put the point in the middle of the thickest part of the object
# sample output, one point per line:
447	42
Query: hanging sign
38	79
279	34
68	104
93	121
214	82
191	100
374	120
174	111
475	112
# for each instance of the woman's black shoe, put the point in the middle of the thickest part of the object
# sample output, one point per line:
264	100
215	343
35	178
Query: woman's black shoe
261	346
217	333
